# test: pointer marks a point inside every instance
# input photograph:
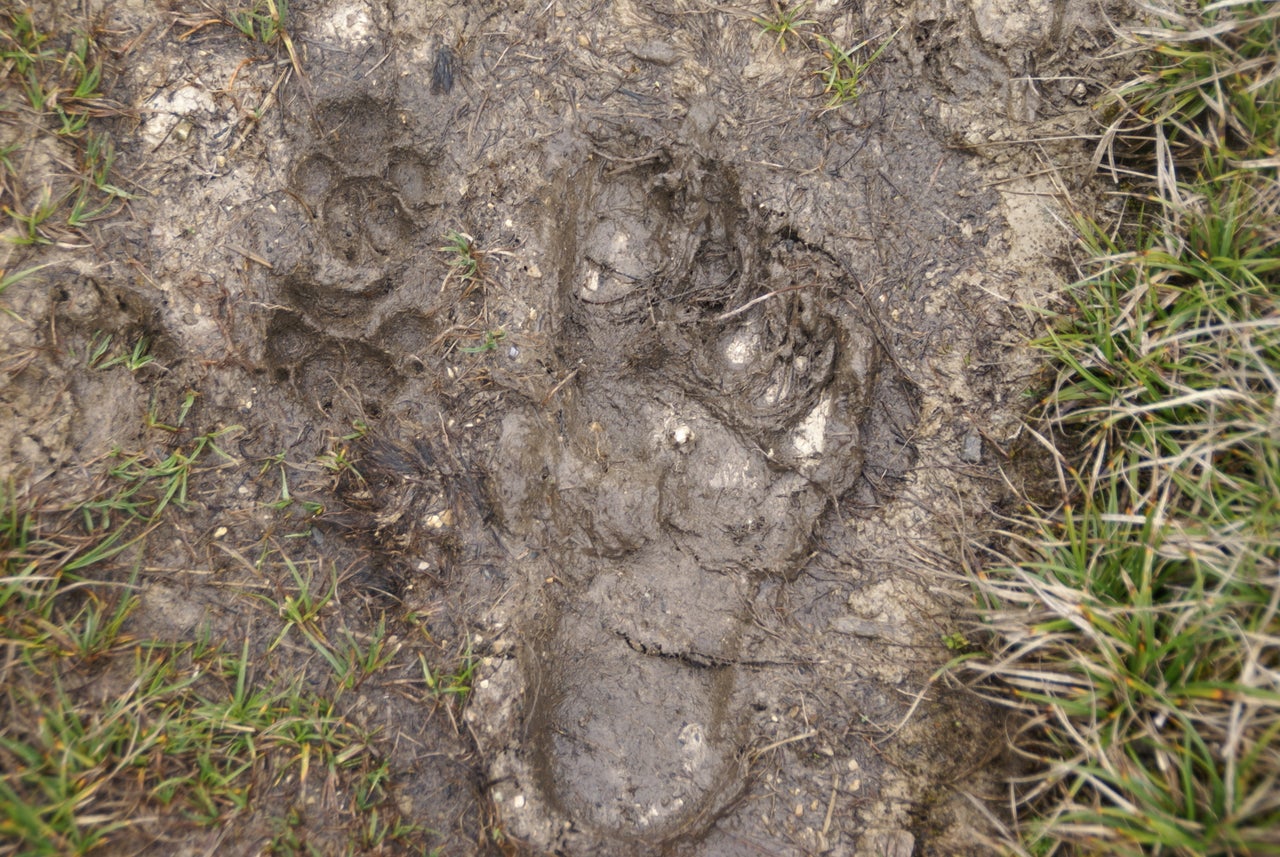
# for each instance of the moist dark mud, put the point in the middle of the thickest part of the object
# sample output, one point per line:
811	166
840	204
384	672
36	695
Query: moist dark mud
685	462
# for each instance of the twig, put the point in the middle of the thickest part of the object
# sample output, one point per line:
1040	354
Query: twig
831	807
920	697
783	741
556	388
749	304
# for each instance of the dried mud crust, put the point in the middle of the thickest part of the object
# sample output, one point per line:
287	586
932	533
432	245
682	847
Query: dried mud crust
756	369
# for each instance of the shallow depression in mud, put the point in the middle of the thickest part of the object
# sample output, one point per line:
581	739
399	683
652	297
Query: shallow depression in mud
720	405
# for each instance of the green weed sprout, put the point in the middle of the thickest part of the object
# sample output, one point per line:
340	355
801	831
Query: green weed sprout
264	21
464	258
132	359
490	343
842	77
784	22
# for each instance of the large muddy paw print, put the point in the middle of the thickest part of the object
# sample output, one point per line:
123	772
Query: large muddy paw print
715	414
348	377
348	244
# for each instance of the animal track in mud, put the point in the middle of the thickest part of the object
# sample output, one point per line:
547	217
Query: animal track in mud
318	367
723	400
726	394
345	239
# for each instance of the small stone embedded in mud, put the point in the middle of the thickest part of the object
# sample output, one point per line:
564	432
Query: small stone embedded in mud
971	450
656	52
682	436
887	843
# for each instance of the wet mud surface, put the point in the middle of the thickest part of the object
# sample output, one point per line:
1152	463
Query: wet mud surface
685	464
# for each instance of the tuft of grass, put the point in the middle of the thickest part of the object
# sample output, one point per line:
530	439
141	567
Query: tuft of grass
1210	87
62	83
845	69
339	460
303	608
265	21
101	354
31	219
464	259
146	484
191	732
454	683
99	158
450	686
785	23
1138	621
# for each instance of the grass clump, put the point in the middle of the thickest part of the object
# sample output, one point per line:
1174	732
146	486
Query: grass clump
100	726
845	69
1139	620
103	356
842	70
784	21
60	82
463	258
265	21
